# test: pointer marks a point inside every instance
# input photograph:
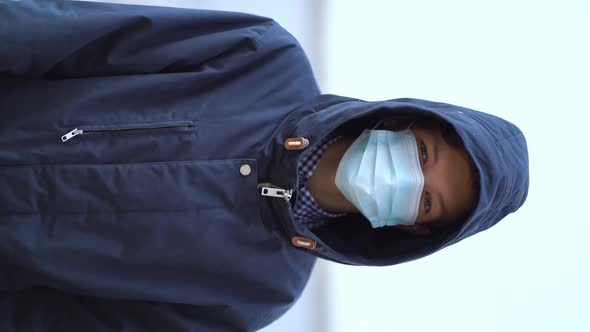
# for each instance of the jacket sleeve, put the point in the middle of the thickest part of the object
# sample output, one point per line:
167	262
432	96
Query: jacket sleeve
47	310
68	39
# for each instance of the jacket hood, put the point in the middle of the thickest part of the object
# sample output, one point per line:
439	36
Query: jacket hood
496	146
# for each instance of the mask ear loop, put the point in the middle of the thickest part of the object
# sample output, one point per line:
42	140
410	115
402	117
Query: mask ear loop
377	125
381	122
411	124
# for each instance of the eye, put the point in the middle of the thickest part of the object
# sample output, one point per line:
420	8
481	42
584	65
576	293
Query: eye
427	202
423	152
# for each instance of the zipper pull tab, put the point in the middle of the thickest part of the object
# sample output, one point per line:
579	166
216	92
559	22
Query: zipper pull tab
71	134
277	192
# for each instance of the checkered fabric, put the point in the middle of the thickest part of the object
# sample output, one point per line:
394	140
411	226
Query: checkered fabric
306	209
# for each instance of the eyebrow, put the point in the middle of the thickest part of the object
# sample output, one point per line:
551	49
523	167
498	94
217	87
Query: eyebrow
443	208
435	151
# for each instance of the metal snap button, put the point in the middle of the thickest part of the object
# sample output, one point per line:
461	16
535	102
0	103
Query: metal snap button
245	170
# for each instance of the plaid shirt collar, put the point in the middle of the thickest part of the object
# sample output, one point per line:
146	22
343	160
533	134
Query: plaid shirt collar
306	209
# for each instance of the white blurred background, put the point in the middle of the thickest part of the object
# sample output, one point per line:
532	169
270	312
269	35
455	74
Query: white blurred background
525	61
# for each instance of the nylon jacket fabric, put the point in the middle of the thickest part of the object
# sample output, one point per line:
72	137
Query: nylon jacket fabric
152	219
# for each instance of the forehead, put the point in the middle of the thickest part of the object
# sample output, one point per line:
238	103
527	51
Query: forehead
460	192
454	175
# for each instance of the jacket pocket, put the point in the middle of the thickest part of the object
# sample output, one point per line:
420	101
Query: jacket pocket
130	128
119	188
100	228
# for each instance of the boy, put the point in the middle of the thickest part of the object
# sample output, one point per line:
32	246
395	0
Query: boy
449	184
154	166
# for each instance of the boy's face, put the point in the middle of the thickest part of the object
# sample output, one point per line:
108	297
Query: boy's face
448	192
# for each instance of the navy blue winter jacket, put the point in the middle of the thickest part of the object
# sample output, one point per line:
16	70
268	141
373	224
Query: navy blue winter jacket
138	147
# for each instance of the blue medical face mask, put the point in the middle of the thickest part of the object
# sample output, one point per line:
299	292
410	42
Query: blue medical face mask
380	174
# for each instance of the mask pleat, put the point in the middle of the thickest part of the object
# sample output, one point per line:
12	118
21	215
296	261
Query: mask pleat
381	175
382	180
366	179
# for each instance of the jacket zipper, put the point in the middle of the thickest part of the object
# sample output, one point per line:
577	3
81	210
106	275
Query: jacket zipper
271	190
129	128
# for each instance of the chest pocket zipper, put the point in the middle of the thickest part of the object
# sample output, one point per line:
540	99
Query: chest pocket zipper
128	128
